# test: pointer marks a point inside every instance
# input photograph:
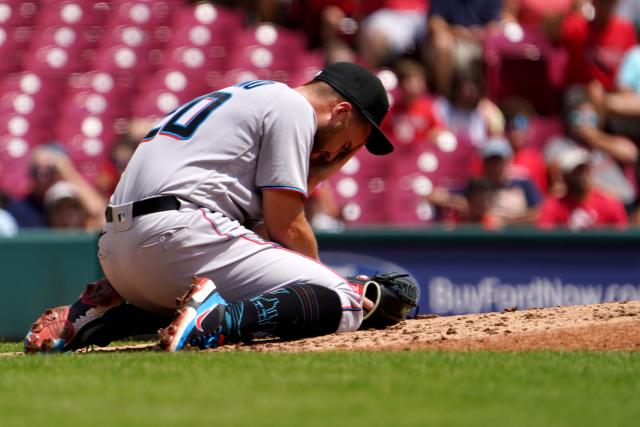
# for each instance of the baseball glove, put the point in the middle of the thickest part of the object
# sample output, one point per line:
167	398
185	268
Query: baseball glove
394	296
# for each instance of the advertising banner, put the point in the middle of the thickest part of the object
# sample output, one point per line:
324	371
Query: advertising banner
474	278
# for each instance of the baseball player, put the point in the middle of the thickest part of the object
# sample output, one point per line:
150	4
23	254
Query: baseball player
216	192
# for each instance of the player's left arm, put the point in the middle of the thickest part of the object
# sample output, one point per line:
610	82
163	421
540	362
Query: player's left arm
286	223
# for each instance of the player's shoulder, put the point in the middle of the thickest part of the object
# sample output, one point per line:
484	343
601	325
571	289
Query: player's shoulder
267	90
288	101
258	86
272	99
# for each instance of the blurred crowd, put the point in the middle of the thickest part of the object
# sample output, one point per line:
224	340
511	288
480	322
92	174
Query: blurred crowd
503	113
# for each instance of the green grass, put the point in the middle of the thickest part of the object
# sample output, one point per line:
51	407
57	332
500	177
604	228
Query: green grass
330	389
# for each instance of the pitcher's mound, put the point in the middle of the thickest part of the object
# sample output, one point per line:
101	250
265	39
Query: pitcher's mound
610	326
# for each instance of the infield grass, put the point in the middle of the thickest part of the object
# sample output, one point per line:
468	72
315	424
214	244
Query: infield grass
390	389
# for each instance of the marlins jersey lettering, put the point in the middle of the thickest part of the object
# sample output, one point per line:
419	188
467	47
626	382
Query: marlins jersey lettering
220	150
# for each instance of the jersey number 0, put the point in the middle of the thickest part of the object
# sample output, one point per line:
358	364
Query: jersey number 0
184	122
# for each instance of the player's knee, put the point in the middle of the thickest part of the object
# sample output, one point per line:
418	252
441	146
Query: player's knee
350	307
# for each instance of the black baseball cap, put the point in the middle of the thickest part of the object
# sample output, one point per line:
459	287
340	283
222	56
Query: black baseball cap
360	87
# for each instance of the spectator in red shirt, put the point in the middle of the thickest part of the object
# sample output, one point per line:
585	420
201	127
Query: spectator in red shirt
583	206
596	43
527	162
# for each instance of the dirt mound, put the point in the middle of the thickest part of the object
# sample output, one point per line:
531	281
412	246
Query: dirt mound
611	326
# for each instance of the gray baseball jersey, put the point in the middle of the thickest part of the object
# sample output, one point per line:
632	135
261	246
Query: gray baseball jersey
218	151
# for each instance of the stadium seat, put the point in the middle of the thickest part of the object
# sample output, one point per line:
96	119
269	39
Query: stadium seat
122	60
32	95
215	17
421	167
273	37
214	45
155	104
14	157
18	13
147	14
510	65
72	13
360	187
13	46
113	88
543	129
306	66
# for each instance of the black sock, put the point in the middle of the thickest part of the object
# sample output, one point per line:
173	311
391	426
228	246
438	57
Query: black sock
118	323
292	312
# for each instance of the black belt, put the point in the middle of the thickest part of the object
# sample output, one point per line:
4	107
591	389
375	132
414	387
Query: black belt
147	206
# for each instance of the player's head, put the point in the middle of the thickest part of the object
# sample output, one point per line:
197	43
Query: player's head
357	103
341	127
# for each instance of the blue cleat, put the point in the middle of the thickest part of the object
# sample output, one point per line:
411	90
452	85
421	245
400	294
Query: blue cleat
198	320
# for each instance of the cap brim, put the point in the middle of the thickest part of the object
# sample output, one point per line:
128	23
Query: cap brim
378	143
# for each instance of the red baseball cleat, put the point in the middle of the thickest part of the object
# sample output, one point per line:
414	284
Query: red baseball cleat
61	329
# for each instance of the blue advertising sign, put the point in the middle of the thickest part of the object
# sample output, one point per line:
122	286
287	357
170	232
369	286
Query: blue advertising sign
460	279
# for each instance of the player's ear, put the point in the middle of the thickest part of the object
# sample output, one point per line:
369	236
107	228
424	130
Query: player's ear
342	109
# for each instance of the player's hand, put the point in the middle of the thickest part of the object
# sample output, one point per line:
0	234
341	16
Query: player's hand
320	169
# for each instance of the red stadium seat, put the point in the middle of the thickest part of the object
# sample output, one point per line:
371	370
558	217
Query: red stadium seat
307	65
123	60
18	13
215	17
14	157
14	42
72	13
273	37
420	168
184	85
510	65
360	189
147	14
32	95
155	104
543	129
